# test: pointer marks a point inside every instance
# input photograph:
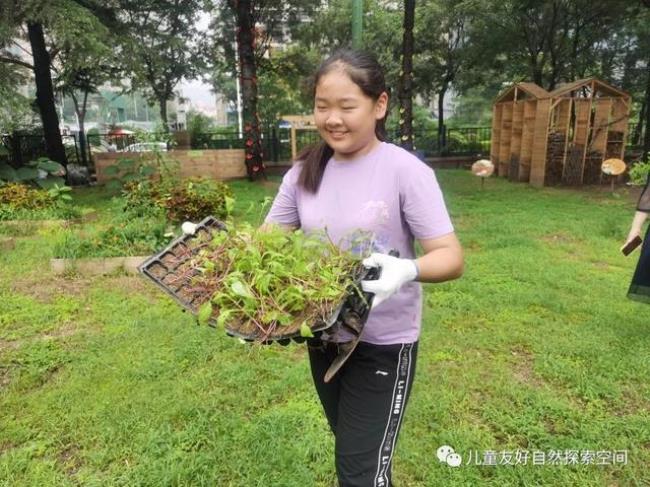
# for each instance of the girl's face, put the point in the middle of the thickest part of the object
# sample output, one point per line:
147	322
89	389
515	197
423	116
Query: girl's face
345	116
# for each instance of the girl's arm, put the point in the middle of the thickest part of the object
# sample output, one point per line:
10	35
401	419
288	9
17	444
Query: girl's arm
442	259
637	224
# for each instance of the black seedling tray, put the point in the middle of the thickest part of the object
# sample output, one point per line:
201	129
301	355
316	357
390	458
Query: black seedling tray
352	313
161	266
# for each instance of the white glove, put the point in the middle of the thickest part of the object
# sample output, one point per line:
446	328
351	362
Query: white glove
394	273
188	228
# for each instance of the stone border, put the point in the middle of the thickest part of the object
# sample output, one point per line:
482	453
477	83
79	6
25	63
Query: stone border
36	223
97	266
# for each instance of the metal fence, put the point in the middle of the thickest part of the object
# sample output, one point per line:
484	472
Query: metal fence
22	148
276	143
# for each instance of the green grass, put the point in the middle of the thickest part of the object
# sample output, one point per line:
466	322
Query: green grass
106	382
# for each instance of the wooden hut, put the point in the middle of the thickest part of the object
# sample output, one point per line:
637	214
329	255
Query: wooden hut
559	137
298	122
517	117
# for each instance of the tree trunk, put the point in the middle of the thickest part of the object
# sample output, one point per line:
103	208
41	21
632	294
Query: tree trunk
646	138
406	79
442	143
248	80
81	117
45	94
162	102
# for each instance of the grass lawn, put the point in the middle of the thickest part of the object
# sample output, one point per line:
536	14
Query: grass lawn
105	381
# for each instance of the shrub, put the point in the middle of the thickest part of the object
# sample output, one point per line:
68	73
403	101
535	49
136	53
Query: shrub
639	172
137	236
41	172
21	202
193	199
21	197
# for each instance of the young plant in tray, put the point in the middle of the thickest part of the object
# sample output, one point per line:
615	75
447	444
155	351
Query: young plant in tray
266	284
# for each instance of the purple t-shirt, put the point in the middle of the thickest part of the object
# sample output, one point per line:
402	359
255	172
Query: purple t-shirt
387	197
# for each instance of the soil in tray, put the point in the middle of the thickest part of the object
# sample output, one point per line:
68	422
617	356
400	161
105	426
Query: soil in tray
157	270
170	260
181	251
188	297
251	330
172	282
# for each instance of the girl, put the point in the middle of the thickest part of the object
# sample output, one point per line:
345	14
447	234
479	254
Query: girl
354	181
640	286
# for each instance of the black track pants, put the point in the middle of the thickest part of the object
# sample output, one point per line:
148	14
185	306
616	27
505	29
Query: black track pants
364	404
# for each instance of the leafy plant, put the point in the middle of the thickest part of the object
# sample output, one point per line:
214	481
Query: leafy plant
191	199
130	170
60	193
41	172
639	172
137	236
22	197
22	202
263	283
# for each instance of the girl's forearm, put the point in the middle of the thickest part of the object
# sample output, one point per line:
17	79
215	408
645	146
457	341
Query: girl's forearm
637	222
440	265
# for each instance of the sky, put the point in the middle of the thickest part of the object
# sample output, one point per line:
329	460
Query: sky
198	92
199	95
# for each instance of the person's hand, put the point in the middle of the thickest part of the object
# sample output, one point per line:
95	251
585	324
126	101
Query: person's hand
188	228
631	236
394	273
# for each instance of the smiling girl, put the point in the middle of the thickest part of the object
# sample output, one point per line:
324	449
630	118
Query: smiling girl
355	181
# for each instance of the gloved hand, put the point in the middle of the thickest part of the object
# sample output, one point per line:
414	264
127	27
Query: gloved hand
394	273
188	228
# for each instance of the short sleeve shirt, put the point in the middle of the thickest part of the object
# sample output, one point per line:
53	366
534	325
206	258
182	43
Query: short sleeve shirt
381	201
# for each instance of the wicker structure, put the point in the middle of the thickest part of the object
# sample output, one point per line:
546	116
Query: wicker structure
562	136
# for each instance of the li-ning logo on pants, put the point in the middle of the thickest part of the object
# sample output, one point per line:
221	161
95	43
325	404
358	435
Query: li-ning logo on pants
400	390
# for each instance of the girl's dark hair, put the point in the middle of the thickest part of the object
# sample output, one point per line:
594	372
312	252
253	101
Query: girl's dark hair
364	71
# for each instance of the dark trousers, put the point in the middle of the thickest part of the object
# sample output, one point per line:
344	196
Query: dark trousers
364	404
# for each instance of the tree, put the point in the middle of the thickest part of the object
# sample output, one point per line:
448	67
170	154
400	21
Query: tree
15	109
406	79
85	62
50	26
549	41
441	50
163	45
243	10
242	50
33	15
